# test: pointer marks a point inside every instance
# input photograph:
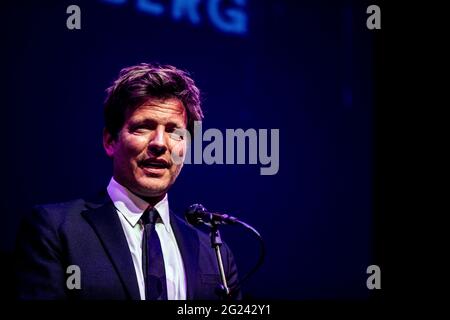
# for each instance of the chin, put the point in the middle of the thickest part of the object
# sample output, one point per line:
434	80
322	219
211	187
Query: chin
153	189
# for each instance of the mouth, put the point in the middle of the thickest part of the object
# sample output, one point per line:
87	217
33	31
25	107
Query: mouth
154	164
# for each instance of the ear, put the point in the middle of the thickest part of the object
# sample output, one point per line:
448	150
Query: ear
109	143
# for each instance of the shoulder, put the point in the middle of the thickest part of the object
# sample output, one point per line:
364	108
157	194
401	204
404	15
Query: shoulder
61	208
56	214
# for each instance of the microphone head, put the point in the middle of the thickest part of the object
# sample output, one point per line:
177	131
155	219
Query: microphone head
194	214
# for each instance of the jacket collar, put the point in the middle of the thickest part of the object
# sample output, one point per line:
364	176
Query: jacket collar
188	243
101	215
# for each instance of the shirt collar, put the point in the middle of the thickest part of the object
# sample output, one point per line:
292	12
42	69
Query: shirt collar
131	206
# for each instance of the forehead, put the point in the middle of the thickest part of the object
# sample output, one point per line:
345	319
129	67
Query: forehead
165	111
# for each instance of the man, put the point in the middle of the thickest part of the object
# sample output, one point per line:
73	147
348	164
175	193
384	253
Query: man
126	243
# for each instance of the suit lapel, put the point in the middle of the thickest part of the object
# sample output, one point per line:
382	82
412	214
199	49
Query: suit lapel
102	216
188	244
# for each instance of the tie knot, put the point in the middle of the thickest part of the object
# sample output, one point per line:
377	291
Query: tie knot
150	216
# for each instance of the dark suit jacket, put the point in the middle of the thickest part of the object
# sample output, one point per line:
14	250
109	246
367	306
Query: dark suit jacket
88	233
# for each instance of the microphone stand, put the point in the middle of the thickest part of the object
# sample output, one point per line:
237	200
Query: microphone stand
196	215
216	241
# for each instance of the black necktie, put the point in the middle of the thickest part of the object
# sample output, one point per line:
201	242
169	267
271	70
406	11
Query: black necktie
152	258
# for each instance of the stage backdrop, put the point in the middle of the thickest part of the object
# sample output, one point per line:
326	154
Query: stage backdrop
302	67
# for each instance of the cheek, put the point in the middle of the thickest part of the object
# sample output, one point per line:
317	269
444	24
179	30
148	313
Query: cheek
134	145
178	152
128	153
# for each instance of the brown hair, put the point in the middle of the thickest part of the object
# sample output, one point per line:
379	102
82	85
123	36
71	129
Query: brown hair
136	84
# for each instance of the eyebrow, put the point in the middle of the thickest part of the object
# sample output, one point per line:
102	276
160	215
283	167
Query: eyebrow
152	122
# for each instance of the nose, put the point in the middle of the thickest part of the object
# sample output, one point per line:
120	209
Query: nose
157	145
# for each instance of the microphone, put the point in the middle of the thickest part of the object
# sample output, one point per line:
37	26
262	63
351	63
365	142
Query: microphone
197	214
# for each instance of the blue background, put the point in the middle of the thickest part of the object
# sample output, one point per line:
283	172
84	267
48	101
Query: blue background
303	67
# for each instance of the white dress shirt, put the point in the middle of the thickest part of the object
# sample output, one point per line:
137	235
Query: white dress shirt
129	209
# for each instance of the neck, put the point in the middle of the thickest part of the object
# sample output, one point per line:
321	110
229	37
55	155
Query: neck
151	200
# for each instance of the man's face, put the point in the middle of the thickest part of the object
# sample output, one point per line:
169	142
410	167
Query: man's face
142	151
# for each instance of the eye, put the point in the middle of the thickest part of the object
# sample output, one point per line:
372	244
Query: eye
140	128
177	134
